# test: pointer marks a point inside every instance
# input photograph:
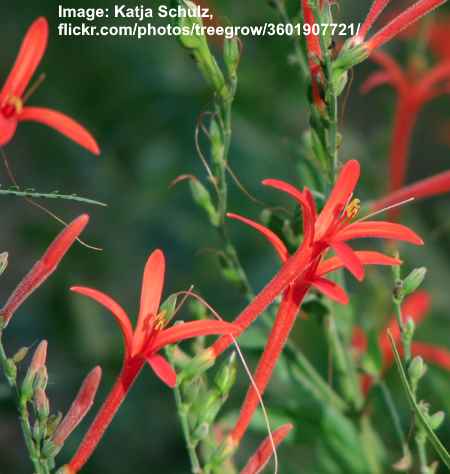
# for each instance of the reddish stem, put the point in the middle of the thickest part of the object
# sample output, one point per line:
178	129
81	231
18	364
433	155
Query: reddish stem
124	382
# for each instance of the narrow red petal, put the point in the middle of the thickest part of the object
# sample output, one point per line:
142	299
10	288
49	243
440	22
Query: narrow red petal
366	257
433	186
308	217
163	370
44	267
63	124
31	51
151	292
330	289
341	193
375	11
116	310
273	239
408	17
380	230
264	452
434	354
181	332
349	259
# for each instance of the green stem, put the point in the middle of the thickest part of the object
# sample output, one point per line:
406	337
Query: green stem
190	445
406	339
421	442
33	453
348	379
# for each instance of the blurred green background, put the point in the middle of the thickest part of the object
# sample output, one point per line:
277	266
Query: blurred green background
141	99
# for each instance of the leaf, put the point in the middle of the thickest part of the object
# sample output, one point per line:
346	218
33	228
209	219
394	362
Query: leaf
434	440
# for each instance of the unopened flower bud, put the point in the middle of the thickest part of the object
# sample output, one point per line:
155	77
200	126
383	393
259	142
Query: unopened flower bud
410	328
53	422
436	420
3	262
79	408
198	365
231	55
413	281
203	198
10	370
37	362
44	267
20	355
41	403
50	450
416	370
226	376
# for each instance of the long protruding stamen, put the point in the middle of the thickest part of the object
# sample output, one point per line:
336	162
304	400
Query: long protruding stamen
385	209
35	86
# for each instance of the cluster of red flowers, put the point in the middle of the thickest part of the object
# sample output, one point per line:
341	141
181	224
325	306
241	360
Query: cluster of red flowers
306	269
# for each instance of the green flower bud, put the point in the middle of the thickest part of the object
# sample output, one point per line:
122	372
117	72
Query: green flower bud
410	329
436	420
413	281
197	366
50	450
10	370
203	198
20	355
349	57
416	370
189	23
3	262
232	56
53	422
217	146
226	376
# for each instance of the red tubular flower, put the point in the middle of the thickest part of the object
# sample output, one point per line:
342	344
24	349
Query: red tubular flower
142	345
306	268
413	92
264	452
332	228
12	95
425	188
44	267
402	21
415	307
287	312
79	408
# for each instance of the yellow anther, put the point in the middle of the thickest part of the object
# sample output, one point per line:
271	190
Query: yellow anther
16	102
160	321
353	208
